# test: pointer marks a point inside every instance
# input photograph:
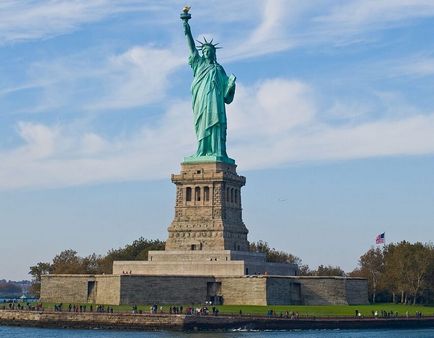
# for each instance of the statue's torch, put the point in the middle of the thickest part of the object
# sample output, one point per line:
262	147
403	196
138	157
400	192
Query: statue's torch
185	15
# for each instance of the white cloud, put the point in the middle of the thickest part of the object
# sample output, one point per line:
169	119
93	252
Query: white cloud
273	123
350	22
291	129
57	156
32	19
40	139
368	12
87	81
269	108
92	144
416	66
269	36
137	77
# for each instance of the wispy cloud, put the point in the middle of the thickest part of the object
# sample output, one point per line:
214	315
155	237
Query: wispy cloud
54	156
22	20
95	81
354	21
413	66
273	123
289	128
362	14
269	36
136	77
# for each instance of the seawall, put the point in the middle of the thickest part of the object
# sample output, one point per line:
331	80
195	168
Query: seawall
125	321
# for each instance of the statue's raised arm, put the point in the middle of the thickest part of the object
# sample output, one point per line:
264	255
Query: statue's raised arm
190	41
185	16
211	90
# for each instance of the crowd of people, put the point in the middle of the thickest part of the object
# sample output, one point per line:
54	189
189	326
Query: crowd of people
177	310
22	306
386	314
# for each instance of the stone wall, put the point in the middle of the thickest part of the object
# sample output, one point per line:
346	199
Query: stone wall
65	288
333	290
283	291
164	289
201	263
90	320
266	268
357	291
204	255
192	268
108	289
243	290
160	322
237	290
75	289
189	256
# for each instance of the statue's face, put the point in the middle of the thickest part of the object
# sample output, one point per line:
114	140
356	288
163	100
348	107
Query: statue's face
208	53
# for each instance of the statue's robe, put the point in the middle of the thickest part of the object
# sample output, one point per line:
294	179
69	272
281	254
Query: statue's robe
210	91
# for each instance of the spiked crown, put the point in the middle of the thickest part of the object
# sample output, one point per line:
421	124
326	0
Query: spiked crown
206	43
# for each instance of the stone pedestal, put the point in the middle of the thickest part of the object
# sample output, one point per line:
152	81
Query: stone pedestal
207	236
208	212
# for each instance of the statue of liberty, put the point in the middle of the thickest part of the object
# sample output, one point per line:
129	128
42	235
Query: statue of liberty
211	89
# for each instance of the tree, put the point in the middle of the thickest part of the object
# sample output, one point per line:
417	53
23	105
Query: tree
36	272
138	250
372	267
9	288
422	257
304	270
329	270
273	255
92	264
409	268
67	262
394	271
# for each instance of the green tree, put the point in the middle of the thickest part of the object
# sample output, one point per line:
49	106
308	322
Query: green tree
273	255
67	262
328	270
371	266
9	288
304	270
138	250
408	269
394	271
422	256
36	272
92	264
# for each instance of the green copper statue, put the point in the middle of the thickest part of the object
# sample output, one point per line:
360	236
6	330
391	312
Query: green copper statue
211	89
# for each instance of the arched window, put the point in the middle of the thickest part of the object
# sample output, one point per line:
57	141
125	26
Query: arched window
197	194
206	194
236	196
188	194
227	194
232	195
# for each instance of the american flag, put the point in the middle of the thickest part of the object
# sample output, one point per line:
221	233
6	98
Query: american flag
380	238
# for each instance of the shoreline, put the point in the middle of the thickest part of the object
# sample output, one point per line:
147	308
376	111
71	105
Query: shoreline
182	322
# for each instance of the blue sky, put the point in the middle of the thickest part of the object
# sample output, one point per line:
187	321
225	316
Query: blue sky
332	122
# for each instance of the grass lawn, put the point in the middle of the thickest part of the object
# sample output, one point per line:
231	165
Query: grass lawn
302	310
330	310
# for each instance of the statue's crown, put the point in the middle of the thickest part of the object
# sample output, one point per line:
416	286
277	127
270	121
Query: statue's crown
207	44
